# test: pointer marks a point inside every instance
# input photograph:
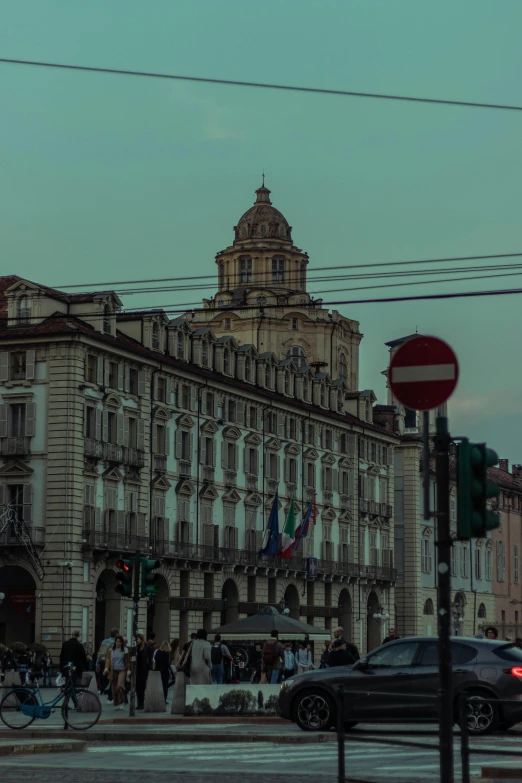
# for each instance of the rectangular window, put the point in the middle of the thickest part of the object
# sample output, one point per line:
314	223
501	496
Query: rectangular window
90	370
252	462
488	564
516	578
295	323
503	615
478	564
113	375
426	555
464	554
161	389
245	270
210	404
501	561
231	456
228	324
15	498
185	397
292	470
252	417
328	439
327	479
112	427
278	270
346	483
310	474
454	559
90	423
132	436
186	454
17	420
208	452
232	411
292	428
272	465
133	381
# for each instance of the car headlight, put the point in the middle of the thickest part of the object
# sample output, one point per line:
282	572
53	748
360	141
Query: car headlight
286	683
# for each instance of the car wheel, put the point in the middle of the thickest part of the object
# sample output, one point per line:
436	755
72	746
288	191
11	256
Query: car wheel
314	711
482	715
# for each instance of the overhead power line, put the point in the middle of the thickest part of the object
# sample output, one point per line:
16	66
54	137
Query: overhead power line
264	85
318	269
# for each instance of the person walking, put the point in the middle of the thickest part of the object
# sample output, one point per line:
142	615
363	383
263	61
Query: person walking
352	648
151	646
105	646
182	678
272	658
201	662
392	636
289	662
142	670
340	656
73	652
304	659
219	658
117	665
161	664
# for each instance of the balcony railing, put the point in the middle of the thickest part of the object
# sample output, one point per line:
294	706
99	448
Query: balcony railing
185	468
374	507
18	375
208	473
8	538
230	478
386	510
346	501
93	448
112	452
160	463
10	447
126	542
363	505
252	482
133	457
327	497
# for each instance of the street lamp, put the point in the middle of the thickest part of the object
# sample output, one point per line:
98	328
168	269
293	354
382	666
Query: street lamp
283	609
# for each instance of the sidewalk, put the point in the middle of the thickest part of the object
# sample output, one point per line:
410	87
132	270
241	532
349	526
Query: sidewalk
14	747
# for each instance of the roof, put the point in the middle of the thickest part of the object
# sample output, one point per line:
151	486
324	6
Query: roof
261	625
400	340
9	280
505	479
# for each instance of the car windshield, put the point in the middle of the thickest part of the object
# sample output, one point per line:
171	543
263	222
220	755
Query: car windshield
509	652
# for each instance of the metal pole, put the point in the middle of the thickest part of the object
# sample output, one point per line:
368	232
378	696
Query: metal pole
136	599
340	737
426	462
442	444
464	739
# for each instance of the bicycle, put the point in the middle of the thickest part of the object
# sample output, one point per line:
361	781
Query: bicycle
81	708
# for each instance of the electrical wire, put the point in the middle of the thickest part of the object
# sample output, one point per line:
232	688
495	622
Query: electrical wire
263	85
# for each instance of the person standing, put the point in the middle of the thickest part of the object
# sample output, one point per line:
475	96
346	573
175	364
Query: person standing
304	659
491	632
73	652
289	662
182	678
340	656
219	657
272	658
161	664
201	663
117	665
352	648
142	670
392	636
105	646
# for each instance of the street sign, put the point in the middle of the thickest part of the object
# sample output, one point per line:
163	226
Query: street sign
423	373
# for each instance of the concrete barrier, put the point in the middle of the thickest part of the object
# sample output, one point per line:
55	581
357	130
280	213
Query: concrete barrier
154	698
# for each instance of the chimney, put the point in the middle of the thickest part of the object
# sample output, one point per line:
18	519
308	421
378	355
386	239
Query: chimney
517	470
504	464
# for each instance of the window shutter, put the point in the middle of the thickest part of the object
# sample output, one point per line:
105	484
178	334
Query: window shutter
168	390
167	441
191	447
29	365
247	411
202	450
30	415
286	468
28	503
155	387
4	366
277	467
99	371
214	453
3	421
246	461
141	383
281	425
106	373
98	424
178	444
193	400
324	478
208	535
105	426
98	524
120	524
125	430
335	480
126	377
141	525
224	451
236	538
119	429
240	410
255	461
141	434
154	437
259	418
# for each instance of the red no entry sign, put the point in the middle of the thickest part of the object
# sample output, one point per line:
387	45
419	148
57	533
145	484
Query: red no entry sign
423	373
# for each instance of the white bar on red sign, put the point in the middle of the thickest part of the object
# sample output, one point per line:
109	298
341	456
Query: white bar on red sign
427	372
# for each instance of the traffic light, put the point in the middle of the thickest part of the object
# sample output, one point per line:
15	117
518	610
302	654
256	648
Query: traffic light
474	519
125	577
149	581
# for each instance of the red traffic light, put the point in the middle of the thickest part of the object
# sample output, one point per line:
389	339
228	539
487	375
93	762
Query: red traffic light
123	565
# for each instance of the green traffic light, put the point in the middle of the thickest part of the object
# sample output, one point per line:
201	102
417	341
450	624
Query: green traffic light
149	581
474	489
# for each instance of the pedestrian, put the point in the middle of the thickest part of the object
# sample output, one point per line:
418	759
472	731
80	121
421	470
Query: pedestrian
182	678
9	663
491	632
304	659
117	666
340	656
103	652
325	653
219	658
392	636
73	652
289	665
352	648
201	663
142	670
272	658
174	653
46	670
161	664
151	646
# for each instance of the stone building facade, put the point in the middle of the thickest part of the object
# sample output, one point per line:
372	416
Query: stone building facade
123	431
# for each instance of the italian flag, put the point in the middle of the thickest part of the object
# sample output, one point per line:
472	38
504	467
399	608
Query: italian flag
288	537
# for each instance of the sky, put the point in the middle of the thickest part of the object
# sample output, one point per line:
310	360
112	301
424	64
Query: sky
106	177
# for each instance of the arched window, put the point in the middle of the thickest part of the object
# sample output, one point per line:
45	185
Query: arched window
248	368
343	369
180	348
428	606
323	396
23	313
482	612
155	336
107	319
245	270
282	231
226	361
268	375
298	355
204	353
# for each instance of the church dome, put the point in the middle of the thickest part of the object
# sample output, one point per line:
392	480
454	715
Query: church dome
263	221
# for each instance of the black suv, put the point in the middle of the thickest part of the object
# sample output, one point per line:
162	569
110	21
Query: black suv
407	670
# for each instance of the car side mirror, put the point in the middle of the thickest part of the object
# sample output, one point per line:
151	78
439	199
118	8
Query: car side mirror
363	664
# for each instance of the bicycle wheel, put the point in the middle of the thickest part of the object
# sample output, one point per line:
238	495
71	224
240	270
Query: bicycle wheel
11	708
81	709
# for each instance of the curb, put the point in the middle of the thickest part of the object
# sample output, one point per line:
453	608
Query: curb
167	720
502	773
75	746
180	737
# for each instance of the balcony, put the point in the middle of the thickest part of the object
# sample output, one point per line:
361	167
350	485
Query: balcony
8	538
386	510
10	447
160	463
252	482
291	488
208	473
363	505
230	478
387	558
346	502
272	485
327	497
133	457
310	493
112	452
374	507
93	448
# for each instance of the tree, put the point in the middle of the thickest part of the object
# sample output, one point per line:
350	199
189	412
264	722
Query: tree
260	700
272	705
237	701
